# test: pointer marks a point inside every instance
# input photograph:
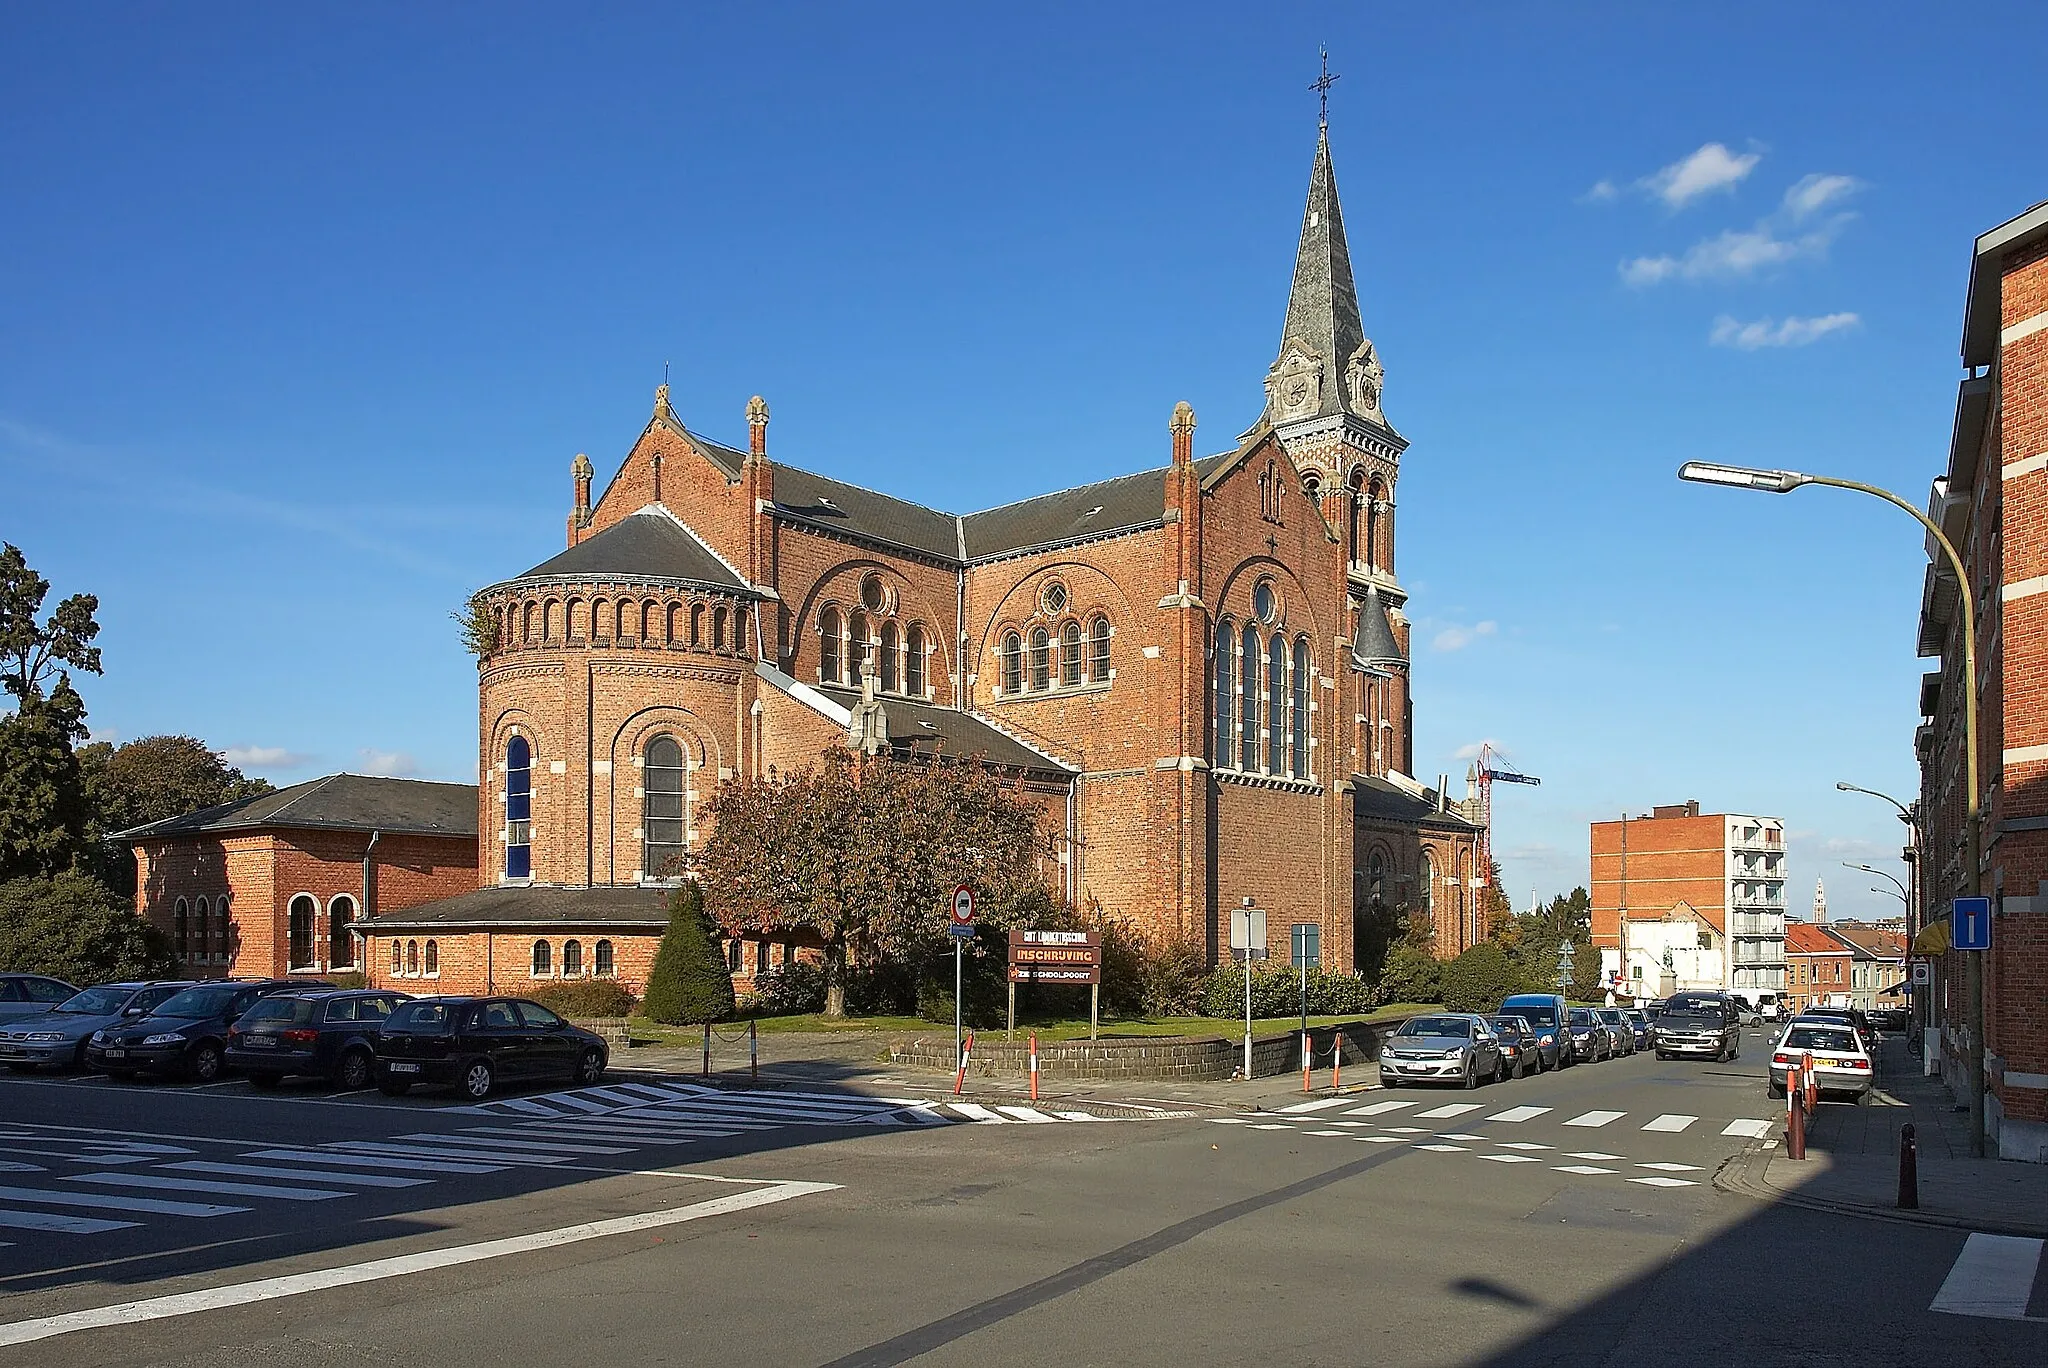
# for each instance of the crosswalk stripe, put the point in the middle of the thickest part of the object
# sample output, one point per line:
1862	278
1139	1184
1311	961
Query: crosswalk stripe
382	1180
1319	1104
1753	1130
591	1125
1454	1109
437	1152
1524	1145
1273	1125
776	1109
1595	1154
1077	1116
551	1147
642	1091
1378	1139
123	1202
1028	1114
652	1134
164	1182
1672	1124
1586	1170
1596	1118
9	1166
1665	1182
524	1104
374	1161
1518	1114
1511	1158
62	1225
1993	1277
1444	1149
1672	1168
1327	1132
615	1094
1379	1108
974	1111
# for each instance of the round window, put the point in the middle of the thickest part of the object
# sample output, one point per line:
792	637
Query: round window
1053	598
1265	603
872	596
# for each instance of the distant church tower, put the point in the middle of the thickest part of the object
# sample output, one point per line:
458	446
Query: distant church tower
1323	402
1820	902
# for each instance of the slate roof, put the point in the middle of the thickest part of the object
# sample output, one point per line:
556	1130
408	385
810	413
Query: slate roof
338	802
1376	645
641	546
1124	503
1322	303
1389	802
924	728
543	906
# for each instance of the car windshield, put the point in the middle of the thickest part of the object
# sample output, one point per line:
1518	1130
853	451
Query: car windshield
280	1009
1701	1007
1508	1025
1455	1027
1581	1017
1538	1013
1819	1038
419	1016
1611	1016
96	1001
196	1002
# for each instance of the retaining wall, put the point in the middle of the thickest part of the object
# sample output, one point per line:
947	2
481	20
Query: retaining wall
1189	1058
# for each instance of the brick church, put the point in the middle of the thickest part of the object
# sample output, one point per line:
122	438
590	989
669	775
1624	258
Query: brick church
1200	671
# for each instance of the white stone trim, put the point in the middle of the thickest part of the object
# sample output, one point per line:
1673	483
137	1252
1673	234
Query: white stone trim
2025	588
2038	1082
2026	327
2026	465
2022	755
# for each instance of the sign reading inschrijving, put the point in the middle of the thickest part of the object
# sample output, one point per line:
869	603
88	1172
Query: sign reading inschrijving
1055	957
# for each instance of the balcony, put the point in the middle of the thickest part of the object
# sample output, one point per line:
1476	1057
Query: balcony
1774	902
1761	840
1755	924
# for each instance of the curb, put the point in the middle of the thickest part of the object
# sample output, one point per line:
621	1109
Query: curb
1734	1176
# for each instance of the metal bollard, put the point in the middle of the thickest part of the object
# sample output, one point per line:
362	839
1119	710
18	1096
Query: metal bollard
1795	1116
1034	1066
1909	1169
707	1049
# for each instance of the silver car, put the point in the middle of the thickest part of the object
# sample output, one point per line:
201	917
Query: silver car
1452	1047
57	1039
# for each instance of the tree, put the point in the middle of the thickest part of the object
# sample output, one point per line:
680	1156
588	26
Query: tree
1478	979
689	982
1495	911
1412	974
31	651
42	799
71	926
864	852
147	780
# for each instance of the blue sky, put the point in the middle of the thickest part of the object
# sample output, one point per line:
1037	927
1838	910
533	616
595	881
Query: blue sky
305	310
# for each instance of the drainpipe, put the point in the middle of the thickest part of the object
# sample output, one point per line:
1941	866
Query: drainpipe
368	906
960	637
1073	840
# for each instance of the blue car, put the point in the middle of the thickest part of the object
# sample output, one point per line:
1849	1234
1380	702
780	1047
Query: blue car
57	1039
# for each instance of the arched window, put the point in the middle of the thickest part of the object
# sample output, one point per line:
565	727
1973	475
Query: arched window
718	616
1041	659
1070	653
1357	514
1376	878
1428	882
1468	908
732	955
913	662
1248	723
828	646
412	959
678	625
573	624
397	959
1375	535
303	913
1011	655
181	928
1098	650
856	645
551	620
892	645
543	960
739	630
433	960
1225	753
696	624
1276	707
1299	712
200	927
532	623
224	928
600	621
572	959
518	809
662	831
603	959
341	941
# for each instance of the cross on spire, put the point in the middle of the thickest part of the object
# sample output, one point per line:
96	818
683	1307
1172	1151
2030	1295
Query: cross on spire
1322	87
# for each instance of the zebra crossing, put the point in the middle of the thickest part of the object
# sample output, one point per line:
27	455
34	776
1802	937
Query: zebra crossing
1993	1277
1671	1123
679	1106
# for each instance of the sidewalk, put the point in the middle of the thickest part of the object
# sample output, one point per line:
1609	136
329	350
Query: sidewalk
1852	1161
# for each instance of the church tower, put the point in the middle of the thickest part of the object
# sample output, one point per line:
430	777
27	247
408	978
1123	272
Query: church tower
1324	395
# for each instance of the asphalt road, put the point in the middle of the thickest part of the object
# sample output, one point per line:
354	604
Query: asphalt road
1569	1218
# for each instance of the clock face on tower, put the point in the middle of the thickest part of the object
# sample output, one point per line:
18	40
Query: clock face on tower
1297	391
1294	387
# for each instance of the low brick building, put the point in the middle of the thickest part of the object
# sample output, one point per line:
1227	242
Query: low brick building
279	884
1819	968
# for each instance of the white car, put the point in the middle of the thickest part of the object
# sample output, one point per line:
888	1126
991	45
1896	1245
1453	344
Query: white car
1840	1063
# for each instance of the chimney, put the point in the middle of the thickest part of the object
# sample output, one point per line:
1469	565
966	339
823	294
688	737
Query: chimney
757	427
1183	429
1443	785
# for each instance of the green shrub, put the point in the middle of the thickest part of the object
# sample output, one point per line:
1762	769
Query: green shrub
1478	979
584	999
884	988
348	978
795	988
1334	994
1276	992
984	981
1174	977
72	927
689	982
1412	974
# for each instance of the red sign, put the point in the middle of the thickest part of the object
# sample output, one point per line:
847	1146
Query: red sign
963	905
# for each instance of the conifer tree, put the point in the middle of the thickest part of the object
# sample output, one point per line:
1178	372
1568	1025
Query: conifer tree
689	982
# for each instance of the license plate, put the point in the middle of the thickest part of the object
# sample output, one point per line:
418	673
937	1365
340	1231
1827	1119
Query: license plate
403	1068
117	1054
260	1042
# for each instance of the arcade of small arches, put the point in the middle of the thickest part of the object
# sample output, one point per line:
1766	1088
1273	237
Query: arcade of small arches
899	655
1454	870
1369	523
669	622
201	930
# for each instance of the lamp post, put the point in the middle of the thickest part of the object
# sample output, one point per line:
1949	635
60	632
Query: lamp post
1902	895
1916	885
1784	482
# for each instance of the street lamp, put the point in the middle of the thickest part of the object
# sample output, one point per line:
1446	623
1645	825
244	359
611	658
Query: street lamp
1873	869
1784	482
1916	883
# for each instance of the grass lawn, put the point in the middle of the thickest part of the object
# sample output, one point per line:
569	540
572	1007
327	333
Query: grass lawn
1063	1028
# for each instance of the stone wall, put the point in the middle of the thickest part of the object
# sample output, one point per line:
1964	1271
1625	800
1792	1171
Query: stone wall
1183	1058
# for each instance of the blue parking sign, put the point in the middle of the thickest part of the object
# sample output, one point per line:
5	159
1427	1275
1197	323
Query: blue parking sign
1970	924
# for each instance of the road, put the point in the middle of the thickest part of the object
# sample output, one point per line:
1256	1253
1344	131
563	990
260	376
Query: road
1568	1218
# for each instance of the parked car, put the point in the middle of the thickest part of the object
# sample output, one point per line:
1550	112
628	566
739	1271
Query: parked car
1639	1022
57	1039
1840	1061
1453	1047
1853	1016
1546	1013
477	1043
1889	1018
331	1034
1700	1025
1619	1029
1519	1044
185	1035
27	995
1588	1033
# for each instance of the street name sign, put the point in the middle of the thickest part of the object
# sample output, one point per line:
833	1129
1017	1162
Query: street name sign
1970	927
1248	930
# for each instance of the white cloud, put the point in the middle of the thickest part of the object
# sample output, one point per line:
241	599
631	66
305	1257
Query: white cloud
263	757
1810	194
1457	638
1765	332
1471	751
1711	168
1734	253
1602	192
107	734
389	764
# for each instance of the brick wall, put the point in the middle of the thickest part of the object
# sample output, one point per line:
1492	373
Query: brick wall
1670	860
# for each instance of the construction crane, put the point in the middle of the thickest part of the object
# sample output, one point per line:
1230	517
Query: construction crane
1489	769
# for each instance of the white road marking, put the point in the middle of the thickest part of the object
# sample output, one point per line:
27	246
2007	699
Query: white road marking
1318	1105
1444	1149
348	1148
11	1167
1510	1159
1753	1130
551	1147
123	1202
62	1225
1027	1114
1454	1135
1596	1119
974	1111
1665	1182
1454	1109
1230	1120
1272	1126
1381	1108
1672	1168
1337	1133
1587	1169
382	1180
1518	1114
1674	1124
1523	1145
292	1285
1595	1154
373	1161
1077	1116
164	1182
1408	1130
1993	1277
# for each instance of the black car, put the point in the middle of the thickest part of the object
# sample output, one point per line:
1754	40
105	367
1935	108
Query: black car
1519	1045
186	1034
331	1034
477	1043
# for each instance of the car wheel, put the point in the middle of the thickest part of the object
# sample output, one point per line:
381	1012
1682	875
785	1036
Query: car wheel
590	1068
205	1063
1774	1090
1471	1076
477	1080
266	1081
353	1072
393	1087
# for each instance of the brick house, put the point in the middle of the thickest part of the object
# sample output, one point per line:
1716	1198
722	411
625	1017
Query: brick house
1992	504
1819	967
1190	669
279	884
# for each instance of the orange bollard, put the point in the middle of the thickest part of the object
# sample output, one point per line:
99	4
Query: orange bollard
1795	1114
1034	1066
1308	1060
1337	1063
966	1053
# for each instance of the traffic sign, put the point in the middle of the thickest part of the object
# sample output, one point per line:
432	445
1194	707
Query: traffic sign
1308	945
1923	974
963	906
1970	925
1248	930
960	930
